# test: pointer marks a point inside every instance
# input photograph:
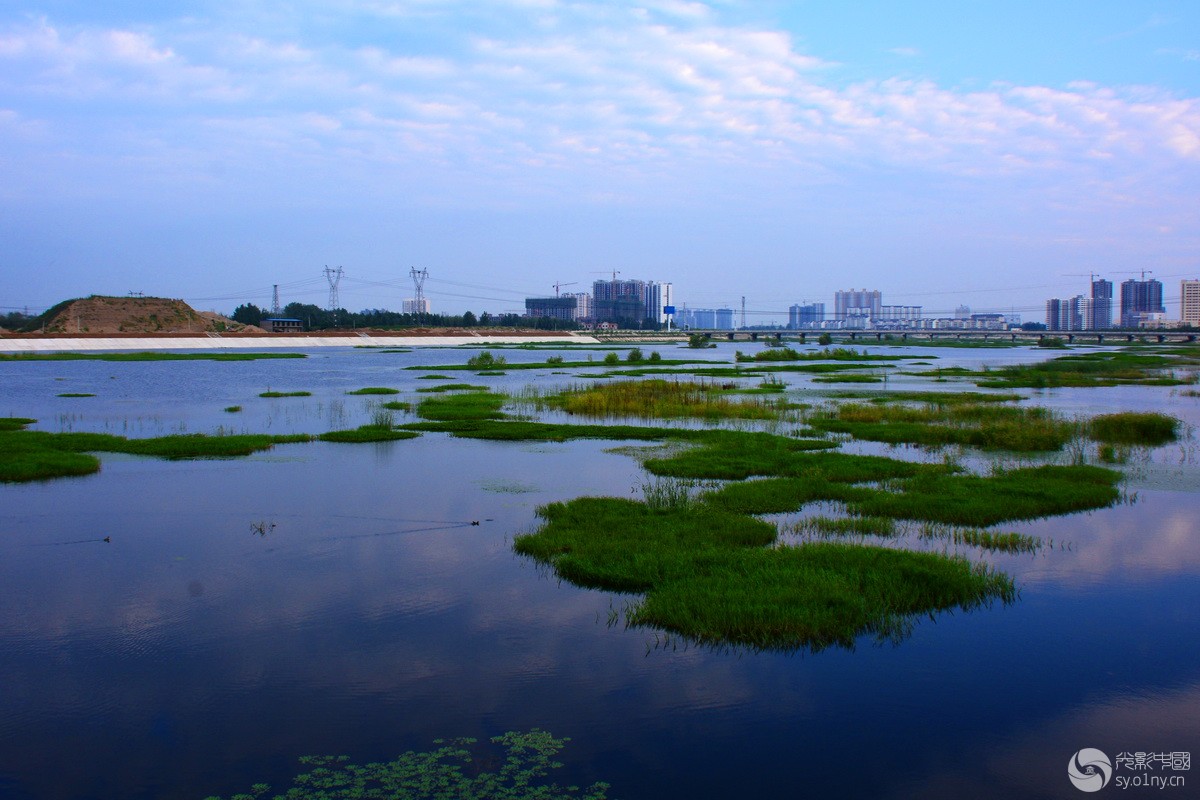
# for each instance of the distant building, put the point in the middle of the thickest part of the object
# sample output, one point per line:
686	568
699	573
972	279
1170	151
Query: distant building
808	316
281	325
1140	298
583	305
622	302
899	316
658	297
724	319
962	312
851	304
411	306
1189	303
561	308
1058	315
1100	316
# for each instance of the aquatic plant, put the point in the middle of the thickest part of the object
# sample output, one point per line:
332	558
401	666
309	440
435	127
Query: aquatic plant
232	409
473	405
1133	428
76	394
486	360
367	433
452	387
657	399
374	390
708	575
450	771
270	393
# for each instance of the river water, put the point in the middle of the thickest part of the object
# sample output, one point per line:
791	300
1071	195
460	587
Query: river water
338	599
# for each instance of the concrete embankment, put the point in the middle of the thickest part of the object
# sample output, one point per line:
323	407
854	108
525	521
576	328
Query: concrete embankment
49	344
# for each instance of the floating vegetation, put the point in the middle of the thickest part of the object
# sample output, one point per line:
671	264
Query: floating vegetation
396	405
374	390
1132	428
709	575
657	399
270	393
145	356
932	398
451	770
75	394
232	409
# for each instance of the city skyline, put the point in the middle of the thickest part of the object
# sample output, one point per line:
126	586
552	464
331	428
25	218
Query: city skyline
776	151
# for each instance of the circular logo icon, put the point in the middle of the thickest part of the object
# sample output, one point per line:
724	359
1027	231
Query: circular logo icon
1090	770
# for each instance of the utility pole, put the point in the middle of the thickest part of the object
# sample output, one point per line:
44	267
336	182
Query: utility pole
743	312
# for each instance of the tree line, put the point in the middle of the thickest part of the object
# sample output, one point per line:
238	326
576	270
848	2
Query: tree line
316	318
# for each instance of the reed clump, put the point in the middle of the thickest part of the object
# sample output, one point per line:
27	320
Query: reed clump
374	390
270	393
1133	428
658	399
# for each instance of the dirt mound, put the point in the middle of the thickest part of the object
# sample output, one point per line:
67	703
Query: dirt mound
99	314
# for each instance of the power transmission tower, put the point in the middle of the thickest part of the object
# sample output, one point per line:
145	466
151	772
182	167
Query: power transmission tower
419	282
743	312
333	276
275	309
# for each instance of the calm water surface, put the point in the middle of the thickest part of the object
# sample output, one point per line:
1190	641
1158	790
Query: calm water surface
193	655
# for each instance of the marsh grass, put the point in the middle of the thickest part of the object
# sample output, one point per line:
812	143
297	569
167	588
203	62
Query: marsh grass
396	405
75	394
668	493
995	541
988	426
848	378
1092	369
1132	428
370	390
270	393
710	576
848	526
452	387
367	433
464	406
657	399
835	354
232	409
145	356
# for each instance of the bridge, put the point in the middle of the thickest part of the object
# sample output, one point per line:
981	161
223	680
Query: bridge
1113	336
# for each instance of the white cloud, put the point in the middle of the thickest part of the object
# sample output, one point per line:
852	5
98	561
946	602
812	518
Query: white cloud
663	90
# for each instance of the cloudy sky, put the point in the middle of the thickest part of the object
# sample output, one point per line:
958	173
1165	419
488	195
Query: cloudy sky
986	153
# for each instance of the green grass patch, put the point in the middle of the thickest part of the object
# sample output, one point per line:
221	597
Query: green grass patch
75	394
708	575
1090	369
657	399
374	390
987	426
848	378
232	409
979	501
270	393
396	405
453	387
848	526
835	354
1131	428
463	406
367	433
145	356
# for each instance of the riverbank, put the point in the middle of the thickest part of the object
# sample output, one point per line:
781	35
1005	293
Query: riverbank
34	343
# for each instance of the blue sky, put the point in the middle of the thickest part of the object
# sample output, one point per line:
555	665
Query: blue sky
945	153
